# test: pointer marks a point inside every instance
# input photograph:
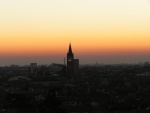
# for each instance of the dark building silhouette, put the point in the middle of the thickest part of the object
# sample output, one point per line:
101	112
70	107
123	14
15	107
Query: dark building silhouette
33	64
70	59
72	64
76	64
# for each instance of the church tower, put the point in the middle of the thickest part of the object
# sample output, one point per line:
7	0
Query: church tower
70	59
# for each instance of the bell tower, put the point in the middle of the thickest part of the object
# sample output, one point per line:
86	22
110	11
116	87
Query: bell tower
70	59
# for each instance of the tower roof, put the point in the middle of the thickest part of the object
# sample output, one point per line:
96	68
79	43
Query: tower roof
70	49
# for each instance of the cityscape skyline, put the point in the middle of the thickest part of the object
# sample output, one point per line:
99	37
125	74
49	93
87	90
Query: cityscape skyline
100	31
103	59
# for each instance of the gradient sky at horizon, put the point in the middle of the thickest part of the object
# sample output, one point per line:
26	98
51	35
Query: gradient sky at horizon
104	31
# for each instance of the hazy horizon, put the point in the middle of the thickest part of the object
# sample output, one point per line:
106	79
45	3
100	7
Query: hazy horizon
101	59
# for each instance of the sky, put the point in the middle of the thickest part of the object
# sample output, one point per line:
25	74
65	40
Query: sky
103	31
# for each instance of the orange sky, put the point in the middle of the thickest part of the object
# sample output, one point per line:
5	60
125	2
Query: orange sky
43	30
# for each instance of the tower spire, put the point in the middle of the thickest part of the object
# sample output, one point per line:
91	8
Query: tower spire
70	49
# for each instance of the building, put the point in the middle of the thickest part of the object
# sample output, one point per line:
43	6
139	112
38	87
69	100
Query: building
72	64
33	64
70	59
76	64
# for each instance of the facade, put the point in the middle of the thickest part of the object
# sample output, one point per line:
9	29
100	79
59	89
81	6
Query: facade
76	64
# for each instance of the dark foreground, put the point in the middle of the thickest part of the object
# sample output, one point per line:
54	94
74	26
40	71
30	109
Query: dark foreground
91	89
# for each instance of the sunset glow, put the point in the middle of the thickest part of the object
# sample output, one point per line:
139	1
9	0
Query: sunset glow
41	30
